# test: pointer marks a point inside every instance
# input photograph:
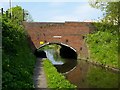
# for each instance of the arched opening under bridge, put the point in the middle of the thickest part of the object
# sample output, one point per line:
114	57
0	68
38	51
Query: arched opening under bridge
66	51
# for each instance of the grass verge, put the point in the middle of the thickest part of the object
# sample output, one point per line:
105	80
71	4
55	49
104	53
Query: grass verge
55	79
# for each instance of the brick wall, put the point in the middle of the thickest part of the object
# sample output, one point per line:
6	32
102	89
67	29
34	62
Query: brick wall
70	33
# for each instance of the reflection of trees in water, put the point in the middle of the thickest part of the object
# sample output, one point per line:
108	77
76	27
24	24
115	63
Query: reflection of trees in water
95	78
86	75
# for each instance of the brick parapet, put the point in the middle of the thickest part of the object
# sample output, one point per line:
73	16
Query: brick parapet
72	33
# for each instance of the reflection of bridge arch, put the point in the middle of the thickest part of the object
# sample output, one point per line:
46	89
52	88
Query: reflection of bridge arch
61	44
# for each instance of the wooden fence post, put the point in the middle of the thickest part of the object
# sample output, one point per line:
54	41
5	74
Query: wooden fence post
10	15
2	11
6	13
23	15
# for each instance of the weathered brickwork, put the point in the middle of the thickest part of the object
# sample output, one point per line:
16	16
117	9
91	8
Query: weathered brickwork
70	33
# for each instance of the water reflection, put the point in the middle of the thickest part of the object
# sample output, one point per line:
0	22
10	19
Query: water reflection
83	74
86	75
63	65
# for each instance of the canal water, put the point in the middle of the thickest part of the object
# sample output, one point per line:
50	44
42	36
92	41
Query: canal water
82	73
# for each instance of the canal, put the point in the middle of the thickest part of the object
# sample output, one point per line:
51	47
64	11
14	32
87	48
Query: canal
82	73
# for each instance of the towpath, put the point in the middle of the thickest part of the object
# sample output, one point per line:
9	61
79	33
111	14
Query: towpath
39	75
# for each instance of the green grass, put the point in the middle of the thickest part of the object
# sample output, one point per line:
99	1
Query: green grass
103	47
55	79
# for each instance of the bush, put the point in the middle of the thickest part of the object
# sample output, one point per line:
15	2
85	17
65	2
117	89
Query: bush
17	60
103	47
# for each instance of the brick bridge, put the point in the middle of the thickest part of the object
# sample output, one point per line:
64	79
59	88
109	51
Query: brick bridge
70	34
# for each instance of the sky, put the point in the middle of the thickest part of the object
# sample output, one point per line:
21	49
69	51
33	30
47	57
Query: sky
58	11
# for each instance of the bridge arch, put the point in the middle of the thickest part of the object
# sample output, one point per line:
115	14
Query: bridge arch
61	44
71	33
66	50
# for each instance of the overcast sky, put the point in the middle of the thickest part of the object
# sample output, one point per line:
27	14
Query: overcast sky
58	11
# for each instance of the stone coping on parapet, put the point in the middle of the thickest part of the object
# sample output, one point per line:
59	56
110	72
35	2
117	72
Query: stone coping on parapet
59	24
63	23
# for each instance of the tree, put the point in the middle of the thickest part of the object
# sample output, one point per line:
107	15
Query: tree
17	13
111	10
20	14
27	16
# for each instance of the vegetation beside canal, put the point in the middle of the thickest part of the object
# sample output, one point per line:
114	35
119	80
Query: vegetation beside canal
55	79
103	47
17	58
103	42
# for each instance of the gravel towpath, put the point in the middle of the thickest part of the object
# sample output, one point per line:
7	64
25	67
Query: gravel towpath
39	75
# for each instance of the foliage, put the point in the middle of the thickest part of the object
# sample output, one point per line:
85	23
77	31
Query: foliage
100	78
111	10
18	14
55	79
27	16
17	60
51	46
103	47
103	42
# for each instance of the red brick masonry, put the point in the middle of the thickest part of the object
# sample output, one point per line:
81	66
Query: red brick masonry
70	33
